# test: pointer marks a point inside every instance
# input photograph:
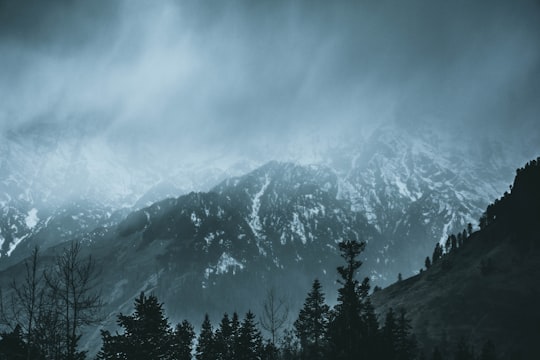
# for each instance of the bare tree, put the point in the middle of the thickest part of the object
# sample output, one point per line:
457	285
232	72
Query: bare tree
73	296
27	300
275	313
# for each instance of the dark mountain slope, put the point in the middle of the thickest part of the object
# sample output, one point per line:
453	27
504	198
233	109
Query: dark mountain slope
488	288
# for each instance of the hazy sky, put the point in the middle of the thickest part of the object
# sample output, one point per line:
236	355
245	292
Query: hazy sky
243	76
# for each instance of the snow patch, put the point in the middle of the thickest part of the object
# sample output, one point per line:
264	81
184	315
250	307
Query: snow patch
298	228
31	219
13	245
254	220
227	262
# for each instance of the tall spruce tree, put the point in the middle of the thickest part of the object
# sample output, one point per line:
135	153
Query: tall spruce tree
345	329
235	333
206	345
250	344
437	253
147	334
312	323
224	341
405	343
389	335
183	341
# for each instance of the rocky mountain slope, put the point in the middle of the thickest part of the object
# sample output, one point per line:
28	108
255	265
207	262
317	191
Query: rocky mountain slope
486	289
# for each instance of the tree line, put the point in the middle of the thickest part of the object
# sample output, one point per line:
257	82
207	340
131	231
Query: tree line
48	310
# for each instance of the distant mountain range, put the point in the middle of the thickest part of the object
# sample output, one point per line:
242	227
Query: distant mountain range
276	225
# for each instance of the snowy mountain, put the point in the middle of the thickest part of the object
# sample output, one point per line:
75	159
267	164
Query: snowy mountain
57	183
277	225
417	189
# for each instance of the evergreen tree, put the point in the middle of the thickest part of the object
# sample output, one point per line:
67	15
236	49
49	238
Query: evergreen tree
12	345
370	330
437	253
447	245
389	330
453	241
405	344
427	262
183	341
205	346
312	323
224	341
250	339
469	229
147	334
345	328
235	333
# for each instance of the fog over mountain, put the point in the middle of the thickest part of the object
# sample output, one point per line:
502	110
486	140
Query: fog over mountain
191	81
205	150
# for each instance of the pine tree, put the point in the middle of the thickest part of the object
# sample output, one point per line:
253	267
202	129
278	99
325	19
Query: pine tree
250	339
205	346
427	262
453	241
345	329
405	344
12	345
224	342
469	229
147	333
312	323
183	341
235	333
389	331
437	253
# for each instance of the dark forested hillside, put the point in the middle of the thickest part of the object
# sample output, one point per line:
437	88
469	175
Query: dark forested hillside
487	288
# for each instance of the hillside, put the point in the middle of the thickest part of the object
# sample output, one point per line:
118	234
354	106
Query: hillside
486	289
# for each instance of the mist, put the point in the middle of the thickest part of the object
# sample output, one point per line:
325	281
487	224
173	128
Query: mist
199	80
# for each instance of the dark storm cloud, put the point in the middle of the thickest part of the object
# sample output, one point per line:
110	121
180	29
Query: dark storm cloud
260	73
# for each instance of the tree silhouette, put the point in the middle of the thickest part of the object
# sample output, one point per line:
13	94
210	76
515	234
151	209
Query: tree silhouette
72	287
250	339
12	345
275	314
437	253
205	346
427	262
147	334
346	324
224	340
311	325
183	337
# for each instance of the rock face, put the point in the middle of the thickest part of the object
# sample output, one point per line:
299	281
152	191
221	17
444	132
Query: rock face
486	289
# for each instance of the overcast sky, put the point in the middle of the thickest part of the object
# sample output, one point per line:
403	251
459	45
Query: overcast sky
242	76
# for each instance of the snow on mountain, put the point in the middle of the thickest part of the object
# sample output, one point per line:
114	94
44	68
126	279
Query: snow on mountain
47	171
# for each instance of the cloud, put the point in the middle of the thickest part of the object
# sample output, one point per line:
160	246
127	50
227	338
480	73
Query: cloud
247	76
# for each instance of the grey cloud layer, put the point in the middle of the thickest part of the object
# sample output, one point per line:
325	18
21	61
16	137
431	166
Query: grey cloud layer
216	73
